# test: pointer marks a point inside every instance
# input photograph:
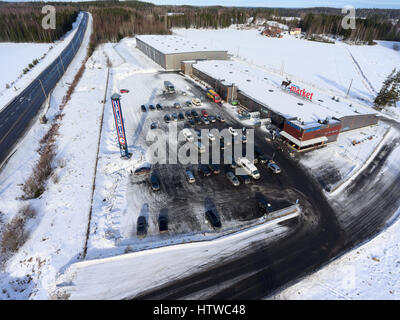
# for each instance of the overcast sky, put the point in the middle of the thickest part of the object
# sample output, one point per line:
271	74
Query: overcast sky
395	4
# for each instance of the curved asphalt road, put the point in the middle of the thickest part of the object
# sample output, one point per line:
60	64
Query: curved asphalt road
16	116
265	267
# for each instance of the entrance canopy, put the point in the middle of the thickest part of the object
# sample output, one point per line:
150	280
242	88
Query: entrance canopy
305	143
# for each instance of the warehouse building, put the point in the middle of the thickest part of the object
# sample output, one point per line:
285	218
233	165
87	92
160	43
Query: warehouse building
170	51
307	119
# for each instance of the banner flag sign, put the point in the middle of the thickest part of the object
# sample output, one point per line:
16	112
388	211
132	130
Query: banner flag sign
119	124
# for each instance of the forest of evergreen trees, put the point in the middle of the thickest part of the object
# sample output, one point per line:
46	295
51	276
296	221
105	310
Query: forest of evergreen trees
370	28
22	22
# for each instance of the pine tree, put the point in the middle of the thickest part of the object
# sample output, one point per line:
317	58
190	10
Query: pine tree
390	92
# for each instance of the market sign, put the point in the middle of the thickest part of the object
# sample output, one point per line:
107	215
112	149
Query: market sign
301	92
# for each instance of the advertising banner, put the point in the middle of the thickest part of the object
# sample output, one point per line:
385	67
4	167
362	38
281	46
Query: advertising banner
119	124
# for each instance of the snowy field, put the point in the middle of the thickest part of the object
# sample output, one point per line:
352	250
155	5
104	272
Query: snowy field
327	67
21	55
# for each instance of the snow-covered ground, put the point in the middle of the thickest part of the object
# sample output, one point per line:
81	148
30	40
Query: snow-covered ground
22	55
328	67
57	235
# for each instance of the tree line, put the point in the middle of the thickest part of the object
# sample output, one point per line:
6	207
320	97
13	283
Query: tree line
22	22
113	20
371	28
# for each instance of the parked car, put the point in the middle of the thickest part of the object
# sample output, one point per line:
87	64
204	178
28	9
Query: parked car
234	164
181	117
190	176
204	113
175	116
205	120
264	206
141	226
167	118
177	105
194	113
124	90
187	133
214	168
222	144
152	108
162	223
153	125
274	167
259	155
232	178
198	120
213	218
196	101
244	139
210	136
204	170
220	118
143	108
211	118
232	131
188	115
154	182
245	178
191	123
143	170
188	104
159	106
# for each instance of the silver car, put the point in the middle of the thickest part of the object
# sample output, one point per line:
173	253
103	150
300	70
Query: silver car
232	178
274	167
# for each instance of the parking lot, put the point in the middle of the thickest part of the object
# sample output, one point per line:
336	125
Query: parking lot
184	203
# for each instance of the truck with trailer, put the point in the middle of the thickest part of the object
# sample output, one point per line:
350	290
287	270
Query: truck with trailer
213	95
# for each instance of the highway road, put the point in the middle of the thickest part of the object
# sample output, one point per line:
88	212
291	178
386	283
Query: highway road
16	117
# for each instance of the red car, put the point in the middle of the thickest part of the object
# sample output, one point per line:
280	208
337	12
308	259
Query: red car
204	113
124	90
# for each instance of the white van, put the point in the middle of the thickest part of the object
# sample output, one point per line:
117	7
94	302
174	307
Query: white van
188	135
249	167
